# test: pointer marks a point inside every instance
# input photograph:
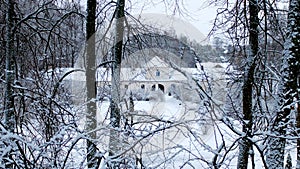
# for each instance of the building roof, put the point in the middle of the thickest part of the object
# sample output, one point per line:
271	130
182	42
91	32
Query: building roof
156	62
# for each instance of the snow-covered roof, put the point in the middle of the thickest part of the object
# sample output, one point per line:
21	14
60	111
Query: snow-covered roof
156	62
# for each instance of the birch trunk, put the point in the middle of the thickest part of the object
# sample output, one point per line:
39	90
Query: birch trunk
114	141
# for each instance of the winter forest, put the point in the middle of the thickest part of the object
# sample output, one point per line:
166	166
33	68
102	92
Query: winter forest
89	84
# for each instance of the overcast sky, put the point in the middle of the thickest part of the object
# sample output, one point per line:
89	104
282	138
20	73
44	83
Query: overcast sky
196	12
197	15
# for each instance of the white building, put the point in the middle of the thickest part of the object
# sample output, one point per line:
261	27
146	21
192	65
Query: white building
157	78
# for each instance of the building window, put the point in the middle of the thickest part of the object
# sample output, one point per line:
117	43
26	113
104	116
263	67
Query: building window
142	86
157	73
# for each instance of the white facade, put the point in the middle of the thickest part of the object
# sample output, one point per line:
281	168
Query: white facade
158	76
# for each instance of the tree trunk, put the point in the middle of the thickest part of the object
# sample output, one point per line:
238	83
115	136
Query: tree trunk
9	115
90	73
10	69
114	142
294	37
288	90
245	144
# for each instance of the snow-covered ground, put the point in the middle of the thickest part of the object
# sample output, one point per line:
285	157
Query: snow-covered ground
170	133
188	140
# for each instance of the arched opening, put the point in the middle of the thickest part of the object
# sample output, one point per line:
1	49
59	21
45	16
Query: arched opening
161	87
153	88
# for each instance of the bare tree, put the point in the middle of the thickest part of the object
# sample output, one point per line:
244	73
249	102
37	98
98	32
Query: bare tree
41	120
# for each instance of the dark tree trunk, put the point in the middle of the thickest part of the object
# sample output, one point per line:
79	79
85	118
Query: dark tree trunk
245	144
9	69
288	90
9	115
91	122
293	48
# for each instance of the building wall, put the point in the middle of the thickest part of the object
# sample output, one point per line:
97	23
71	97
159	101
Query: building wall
145	82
